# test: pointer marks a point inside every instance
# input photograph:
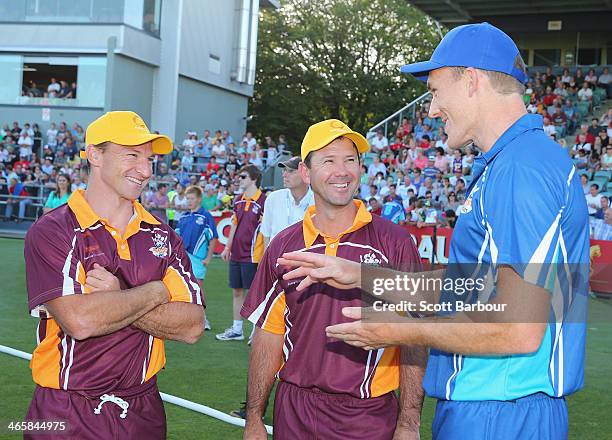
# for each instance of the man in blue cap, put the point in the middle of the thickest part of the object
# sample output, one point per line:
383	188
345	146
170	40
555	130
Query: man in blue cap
524	225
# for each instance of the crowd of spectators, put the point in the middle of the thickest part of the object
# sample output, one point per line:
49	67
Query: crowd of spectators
55	89
411	177
42	169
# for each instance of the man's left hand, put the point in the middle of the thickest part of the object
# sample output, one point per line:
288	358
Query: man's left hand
366	335
100	279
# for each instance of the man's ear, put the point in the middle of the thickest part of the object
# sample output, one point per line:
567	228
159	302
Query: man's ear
473	80
304	173
94	155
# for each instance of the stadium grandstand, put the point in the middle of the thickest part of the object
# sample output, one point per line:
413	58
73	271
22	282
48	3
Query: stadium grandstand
409	162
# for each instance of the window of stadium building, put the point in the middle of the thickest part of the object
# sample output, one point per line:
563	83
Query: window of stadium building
143	14
140	14
546	57
52	81
588	57
63	11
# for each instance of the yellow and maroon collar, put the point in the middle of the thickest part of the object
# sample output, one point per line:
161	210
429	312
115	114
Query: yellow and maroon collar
87	217
362	218
254	198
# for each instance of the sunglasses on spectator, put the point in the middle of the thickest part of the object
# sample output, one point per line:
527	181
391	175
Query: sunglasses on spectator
243	176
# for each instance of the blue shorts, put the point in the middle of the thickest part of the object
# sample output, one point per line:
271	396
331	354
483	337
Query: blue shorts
198	268
241	274
537	416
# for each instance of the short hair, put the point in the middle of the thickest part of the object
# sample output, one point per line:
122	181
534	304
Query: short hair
253	172
195	190
502	83
595	185
102	147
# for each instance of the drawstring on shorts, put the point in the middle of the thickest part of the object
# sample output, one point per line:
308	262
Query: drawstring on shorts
116	400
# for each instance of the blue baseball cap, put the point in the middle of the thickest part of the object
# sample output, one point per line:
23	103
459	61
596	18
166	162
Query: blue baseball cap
480	45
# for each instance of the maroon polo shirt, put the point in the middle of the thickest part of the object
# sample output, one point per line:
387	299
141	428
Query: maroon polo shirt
311	359
60	248
247	246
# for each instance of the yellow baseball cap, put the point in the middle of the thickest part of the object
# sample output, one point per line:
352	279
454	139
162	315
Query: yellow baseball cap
124	128
322	133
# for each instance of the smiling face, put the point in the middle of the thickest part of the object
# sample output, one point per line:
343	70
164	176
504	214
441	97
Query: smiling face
453	104
124	170
334	173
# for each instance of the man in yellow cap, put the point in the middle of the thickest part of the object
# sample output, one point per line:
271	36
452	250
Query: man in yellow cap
329	389
109	283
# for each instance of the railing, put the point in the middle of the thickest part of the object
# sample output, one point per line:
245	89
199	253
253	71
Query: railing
408	110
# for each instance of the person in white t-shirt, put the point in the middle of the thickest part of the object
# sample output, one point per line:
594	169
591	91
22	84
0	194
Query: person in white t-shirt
53	88
287	206
549	128
52	136
593	199
582	144
250	140
379	143
585	93
377	167
442	141
219	150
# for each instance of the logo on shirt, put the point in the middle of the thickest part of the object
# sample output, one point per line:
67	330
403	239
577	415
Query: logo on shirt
160	248
255	209
467	206
369	258
199	221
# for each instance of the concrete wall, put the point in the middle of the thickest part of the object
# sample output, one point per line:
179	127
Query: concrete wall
132	87
78	38
202	106
209	27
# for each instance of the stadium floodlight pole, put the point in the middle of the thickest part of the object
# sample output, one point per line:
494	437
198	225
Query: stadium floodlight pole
203	409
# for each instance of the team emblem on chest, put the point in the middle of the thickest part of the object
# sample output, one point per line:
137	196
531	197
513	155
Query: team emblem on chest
369	258
160	245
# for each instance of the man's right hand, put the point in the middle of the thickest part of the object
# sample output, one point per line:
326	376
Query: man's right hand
225	255
318	268
255	430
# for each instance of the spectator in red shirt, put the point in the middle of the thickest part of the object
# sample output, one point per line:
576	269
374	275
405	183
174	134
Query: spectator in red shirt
16	191
589	138
399	137
23	162
425	142
549	98
406	127
375	207
213	166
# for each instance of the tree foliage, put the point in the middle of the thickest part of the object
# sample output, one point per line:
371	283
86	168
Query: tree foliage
320	59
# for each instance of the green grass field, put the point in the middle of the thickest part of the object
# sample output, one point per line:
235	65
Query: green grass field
213	373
